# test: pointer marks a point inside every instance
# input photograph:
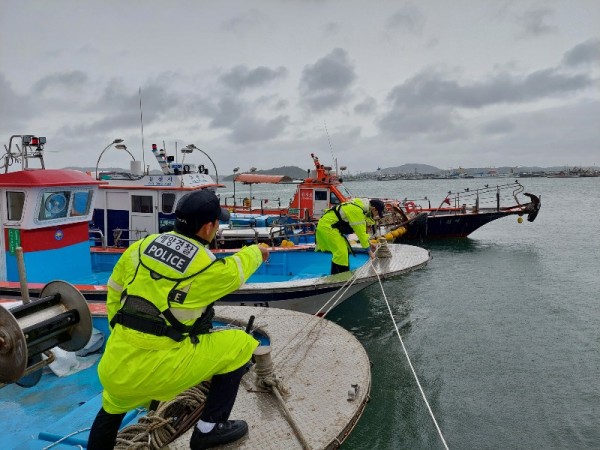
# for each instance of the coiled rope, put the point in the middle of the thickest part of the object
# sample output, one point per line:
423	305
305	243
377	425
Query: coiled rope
170	420
408	359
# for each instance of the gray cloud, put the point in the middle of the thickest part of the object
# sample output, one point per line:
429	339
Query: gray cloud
534	22
241	77
326	83
65	80
251	129
226	112
498	126
271	102
331	29
243	22
408	19
158	102
15	110
109	126
586	52
367	106
441	124
435	88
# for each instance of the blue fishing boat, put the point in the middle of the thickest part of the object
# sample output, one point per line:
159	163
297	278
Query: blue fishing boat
50	392
48	213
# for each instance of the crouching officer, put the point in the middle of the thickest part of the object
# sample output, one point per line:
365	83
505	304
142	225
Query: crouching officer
160	305
341	220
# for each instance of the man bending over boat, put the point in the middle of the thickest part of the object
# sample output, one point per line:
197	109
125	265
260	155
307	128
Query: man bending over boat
160	307
341	220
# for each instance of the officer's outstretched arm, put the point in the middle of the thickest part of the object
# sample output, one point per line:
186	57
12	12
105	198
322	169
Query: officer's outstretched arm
228	274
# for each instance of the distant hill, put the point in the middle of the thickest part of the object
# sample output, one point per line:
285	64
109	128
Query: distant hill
409	168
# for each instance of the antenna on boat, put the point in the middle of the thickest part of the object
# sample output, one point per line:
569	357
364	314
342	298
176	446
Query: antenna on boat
330	147
142	122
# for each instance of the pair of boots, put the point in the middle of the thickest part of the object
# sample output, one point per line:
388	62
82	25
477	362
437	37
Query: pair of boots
223	432
218	406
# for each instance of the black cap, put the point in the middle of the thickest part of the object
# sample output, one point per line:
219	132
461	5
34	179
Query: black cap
197	208
378	205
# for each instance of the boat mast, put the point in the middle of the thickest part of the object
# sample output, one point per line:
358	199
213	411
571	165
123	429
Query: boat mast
25	151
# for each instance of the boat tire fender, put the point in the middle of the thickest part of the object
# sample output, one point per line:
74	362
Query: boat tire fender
410	207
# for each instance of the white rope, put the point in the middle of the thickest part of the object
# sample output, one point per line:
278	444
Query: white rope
339	293
302	335
409	362
64	438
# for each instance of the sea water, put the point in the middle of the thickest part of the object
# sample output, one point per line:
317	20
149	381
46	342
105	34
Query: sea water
502	328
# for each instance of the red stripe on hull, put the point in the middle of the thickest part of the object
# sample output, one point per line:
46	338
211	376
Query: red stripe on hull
59	236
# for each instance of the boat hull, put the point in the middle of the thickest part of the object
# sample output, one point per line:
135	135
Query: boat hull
313	295
449	225
460	224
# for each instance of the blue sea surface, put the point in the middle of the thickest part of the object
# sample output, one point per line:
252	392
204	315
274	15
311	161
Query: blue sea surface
502	328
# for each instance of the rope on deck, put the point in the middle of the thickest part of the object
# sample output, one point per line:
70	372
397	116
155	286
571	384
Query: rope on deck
303	335
170	420
265	378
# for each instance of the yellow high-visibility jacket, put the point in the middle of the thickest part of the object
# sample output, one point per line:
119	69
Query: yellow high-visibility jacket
179	274
330	239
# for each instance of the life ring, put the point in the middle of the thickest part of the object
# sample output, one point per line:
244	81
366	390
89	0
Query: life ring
410	207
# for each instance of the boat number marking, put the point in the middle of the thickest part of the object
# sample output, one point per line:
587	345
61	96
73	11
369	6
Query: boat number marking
159	180
260	304
172	251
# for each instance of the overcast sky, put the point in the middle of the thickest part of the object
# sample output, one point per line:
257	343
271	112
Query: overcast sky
471	83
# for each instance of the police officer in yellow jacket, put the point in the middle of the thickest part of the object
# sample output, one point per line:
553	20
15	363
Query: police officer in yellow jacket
341	220
160	305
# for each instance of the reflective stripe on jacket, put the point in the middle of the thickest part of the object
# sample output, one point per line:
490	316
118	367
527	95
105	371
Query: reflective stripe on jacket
175	272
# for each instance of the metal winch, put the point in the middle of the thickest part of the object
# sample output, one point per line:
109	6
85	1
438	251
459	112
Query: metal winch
59	317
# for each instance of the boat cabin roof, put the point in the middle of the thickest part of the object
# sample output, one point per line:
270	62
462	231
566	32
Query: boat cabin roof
46	178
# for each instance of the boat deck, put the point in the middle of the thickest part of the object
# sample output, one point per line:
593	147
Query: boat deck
318	361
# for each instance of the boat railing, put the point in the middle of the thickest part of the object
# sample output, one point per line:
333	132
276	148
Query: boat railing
132	235
472	200
96	231
299	232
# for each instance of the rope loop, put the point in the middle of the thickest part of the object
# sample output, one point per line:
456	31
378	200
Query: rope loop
170	420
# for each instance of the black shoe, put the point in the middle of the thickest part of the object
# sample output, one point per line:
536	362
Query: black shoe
222	433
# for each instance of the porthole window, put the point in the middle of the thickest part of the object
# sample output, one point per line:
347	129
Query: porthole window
54	205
